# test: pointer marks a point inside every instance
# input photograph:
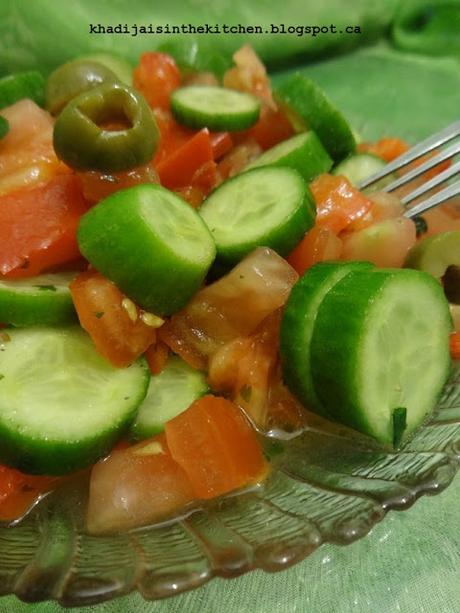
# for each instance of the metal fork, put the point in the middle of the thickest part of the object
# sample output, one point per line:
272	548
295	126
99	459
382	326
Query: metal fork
433	142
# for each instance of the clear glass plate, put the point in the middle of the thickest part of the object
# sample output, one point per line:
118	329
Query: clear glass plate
328	485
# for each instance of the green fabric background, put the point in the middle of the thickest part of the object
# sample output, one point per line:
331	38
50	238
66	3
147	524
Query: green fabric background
380	89
27	26
410	562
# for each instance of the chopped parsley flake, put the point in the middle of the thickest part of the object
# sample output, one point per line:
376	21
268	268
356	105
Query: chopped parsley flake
51	288
245	393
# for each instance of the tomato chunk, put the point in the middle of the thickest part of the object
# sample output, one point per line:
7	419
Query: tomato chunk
157	356
216	447
385	243
319	245
383	206
338	203
115	324
136	486
454	343
441	219
18	491
247	371
191	194
233	306
97	185
172	135
182	167
221	143
27	156
156	77
38	227
249	75
239	157
388	148
284	411
244	368
272	127
208	450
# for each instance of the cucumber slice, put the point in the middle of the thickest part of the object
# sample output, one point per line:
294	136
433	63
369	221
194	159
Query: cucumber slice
44	300
268	206
171	392
434	254
311	105
151	244
358	167
4	127
21	85
62	406
303	152
380	344
298	323
216	108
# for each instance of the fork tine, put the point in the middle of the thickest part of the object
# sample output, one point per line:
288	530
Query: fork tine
448	192
442	156
432	183
422	148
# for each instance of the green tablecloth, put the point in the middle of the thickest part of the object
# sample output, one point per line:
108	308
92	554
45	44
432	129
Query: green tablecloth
409	563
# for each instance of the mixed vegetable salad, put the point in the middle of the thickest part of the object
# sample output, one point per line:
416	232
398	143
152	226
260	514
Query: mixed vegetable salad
186	265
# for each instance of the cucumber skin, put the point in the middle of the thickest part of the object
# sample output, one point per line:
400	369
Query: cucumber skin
295	355
334	378
112	227
49	308
30	84
333	373
146	423
4	127
196	119
309	167
282	240
141	431
58	457
347	168
315	109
